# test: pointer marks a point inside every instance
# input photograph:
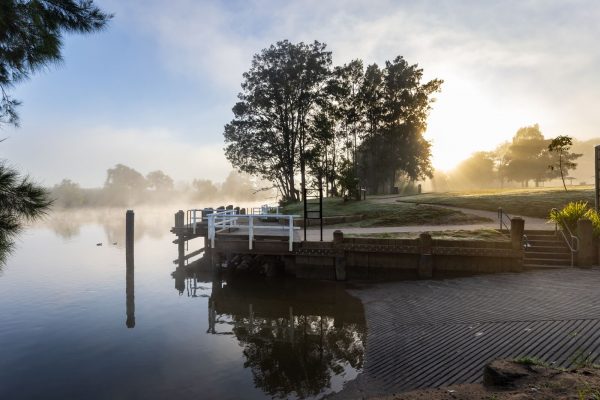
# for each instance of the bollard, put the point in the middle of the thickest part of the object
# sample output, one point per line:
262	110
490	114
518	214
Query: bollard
585	233
517	229
425	268
129	270
179	219
338	237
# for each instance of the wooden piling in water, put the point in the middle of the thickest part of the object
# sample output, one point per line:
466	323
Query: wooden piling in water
179	223
130	270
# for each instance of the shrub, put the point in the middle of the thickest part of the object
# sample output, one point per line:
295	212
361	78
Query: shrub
570	214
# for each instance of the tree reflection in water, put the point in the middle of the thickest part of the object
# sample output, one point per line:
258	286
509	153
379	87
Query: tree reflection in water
298	354
300	339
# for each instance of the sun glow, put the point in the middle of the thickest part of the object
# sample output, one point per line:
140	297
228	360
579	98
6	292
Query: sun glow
467	117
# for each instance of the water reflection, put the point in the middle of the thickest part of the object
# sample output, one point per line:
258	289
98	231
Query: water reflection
299	339
152	223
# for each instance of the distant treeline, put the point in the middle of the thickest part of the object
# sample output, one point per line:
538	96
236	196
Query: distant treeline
524	161
124	186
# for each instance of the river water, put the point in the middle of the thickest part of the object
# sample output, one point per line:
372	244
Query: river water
68	330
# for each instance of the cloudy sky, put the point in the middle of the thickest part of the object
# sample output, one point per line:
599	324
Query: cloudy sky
155	89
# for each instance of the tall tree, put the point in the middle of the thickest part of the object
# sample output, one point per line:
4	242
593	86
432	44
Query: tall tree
397	146
124	185
561	145
528	157
269	135
159	181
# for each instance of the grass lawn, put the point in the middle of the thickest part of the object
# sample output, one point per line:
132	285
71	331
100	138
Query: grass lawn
479	234
529	202
376	213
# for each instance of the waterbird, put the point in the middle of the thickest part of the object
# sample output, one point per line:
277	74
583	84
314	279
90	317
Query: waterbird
98	244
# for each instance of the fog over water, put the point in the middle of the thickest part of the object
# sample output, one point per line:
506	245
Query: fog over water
63	313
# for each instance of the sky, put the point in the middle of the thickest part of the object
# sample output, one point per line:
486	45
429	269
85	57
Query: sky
154	90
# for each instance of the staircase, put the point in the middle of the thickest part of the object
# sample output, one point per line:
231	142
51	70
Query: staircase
546	250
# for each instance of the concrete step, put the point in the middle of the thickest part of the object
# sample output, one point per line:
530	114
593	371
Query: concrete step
543	237
548	256
548	249
539	266
546	243
540	231
544	261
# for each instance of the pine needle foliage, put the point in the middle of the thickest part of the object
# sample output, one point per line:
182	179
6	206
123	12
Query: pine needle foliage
21	201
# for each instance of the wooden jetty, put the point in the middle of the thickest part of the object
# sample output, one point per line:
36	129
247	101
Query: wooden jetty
231	234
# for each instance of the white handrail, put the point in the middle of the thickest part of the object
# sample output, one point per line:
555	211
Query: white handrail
224	220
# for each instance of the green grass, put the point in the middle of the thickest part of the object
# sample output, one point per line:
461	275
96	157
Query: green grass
479	234
528	202
526	360
378	213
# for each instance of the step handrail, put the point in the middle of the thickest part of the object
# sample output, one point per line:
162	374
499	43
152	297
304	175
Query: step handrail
502	215
573	244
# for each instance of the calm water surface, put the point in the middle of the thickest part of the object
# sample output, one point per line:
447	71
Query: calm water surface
68	331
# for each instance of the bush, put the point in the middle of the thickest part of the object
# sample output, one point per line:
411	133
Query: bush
574	211
570	214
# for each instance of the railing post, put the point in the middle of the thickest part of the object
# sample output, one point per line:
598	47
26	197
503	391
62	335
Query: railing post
250	231
194	221
211	230
291	232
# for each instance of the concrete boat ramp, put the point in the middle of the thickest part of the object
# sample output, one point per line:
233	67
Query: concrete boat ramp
437	333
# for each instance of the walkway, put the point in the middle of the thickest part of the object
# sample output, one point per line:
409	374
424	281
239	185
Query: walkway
437	333
530	223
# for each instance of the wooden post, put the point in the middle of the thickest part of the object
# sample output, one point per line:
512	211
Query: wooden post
340	258
585	233
130	270
425	268
129	235
179	224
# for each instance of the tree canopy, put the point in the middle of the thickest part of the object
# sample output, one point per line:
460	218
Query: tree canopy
31	38
298	116
270	130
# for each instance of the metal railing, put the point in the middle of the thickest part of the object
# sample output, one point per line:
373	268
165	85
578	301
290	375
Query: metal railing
572	244
504	219
224	220
525	242
506	222
264	209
